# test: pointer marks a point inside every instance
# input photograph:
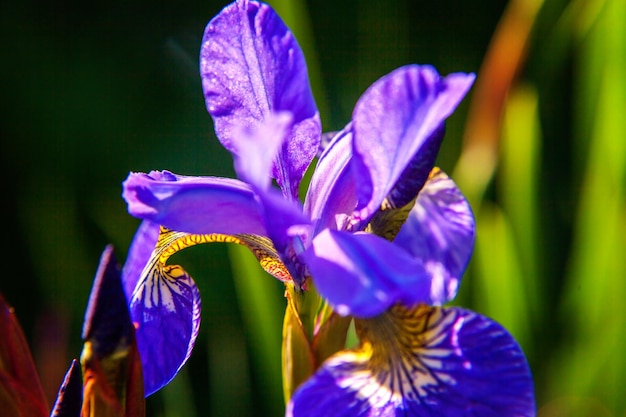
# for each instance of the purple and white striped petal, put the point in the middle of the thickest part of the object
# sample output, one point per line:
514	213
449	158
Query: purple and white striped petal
392	121
251	67
165	310
197	205
427	361
440	231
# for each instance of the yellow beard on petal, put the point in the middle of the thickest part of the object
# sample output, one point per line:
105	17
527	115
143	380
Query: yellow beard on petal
171	242
401	356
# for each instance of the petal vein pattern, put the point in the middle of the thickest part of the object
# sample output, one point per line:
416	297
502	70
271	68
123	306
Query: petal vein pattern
165	305
440	230
422	361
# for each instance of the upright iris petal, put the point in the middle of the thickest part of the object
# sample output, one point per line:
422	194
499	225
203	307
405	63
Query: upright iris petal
331	197
423	264
395	123
393	120
251	66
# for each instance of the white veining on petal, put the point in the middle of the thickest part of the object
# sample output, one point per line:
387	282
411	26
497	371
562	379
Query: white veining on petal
438	280
455	334
440	231
403	357
423	361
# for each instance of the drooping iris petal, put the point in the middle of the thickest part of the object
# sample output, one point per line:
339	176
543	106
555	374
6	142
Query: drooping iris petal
165	304
362	275
165	310
440	231
197	205
331	197
252	66
392	121
427	361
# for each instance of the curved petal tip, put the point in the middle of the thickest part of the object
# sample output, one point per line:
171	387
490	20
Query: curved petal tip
165	310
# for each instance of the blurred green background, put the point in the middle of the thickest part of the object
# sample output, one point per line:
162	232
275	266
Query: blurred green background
91	92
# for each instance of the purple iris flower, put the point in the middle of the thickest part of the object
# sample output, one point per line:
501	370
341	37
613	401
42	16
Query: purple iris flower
381	236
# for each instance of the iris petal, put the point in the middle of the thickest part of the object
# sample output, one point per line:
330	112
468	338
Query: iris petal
424	361
165	310
197	205
393	120
252	66
416	172
257	148
165	304
283	217
331	197
363	275
440	231
139	254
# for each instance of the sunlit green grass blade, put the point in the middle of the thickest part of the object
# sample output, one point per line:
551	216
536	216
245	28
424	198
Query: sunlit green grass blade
592	363
498	279
518	187
262	305
505	58
505	265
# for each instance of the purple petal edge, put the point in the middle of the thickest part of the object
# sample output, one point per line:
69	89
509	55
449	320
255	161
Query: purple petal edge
392	121
196	205
331	196
139	253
